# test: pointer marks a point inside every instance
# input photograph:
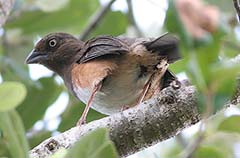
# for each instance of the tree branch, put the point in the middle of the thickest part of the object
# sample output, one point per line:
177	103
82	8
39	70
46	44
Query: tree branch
152	121
5	8
132	20
237	7
95	19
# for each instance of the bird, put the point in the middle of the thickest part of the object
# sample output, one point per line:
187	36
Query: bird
107	73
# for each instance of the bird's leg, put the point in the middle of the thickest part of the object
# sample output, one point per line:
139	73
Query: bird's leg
144	92
124	107
82	119
153	81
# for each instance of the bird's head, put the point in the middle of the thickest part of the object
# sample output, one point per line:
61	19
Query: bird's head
55	51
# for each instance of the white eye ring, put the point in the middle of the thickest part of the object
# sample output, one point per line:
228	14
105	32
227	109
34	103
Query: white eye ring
52	43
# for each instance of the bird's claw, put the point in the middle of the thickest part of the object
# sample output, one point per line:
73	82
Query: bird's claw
81	122
125	107
176	84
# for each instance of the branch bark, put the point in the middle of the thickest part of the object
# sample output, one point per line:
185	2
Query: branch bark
237	7
152	121
5	8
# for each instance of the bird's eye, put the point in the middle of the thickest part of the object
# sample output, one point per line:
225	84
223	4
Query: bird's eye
52	43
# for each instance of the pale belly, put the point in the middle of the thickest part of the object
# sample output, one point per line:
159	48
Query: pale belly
115	94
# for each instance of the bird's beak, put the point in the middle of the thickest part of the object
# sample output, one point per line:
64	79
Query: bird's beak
35	57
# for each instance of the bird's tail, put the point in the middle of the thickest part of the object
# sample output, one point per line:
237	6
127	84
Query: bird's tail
165	46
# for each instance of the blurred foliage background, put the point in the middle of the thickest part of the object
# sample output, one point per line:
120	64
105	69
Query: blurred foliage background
209	34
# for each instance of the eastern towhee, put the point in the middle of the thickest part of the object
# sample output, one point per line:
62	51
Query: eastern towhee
108	73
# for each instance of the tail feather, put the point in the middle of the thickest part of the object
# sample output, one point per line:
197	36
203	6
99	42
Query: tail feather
166	46
167	78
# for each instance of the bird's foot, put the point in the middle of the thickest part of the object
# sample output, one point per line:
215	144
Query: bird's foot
81	121
125	107
176	84
83	118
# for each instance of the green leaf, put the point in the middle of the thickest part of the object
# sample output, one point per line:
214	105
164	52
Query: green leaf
196	72
179	66
230	51
202	59
71	18
208	152
230	47
106	25
61	153
172	152
224	70
11	95
36	139
230	124
223	82
53	5
38	100
3	149
12	68
94	145
201	102
14	134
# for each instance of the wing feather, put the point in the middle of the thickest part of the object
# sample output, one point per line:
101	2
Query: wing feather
102	46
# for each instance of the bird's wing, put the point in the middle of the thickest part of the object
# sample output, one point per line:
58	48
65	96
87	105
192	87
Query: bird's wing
102	46
166	46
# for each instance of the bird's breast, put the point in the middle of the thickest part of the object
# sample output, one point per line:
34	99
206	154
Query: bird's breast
111	98
120	87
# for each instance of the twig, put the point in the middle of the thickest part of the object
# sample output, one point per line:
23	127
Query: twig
95	19
132	19
5	9
191	148
237	7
